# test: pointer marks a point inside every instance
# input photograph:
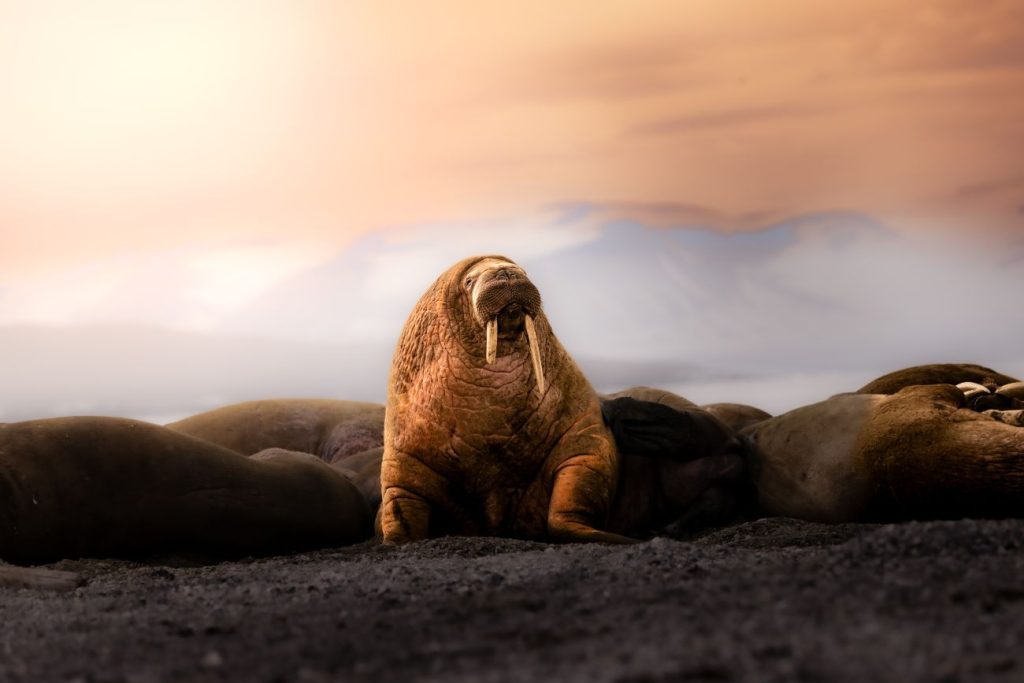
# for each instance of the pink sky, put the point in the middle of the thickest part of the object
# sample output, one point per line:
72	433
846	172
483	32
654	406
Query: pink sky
134	126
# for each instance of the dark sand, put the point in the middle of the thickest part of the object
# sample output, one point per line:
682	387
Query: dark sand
772	600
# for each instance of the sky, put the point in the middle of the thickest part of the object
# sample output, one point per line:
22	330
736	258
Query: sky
289	176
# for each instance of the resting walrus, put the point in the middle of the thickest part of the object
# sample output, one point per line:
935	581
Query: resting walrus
330	429
490	428
938	373
95	486
917	454
680	466
920	453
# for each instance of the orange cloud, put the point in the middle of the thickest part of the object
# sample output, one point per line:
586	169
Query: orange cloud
133	126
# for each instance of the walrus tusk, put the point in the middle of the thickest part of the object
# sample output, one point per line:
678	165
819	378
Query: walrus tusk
972	389
492	340
1013	390
538	368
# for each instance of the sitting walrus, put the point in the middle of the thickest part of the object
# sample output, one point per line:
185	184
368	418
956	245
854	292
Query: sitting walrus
490	427
101	487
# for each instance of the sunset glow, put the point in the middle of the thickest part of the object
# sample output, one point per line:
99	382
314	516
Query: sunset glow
175	163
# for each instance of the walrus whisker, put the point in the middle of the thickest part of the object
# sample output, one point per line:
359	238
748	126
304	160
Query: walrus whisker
492	340
538	368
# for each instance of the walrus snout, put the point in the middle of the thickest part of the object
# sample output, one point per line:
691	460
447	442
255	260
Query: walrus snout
505	303
496	293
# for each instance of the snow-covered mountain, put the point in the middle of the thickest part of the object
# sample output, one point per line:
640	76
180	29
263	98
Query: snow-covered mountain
777	317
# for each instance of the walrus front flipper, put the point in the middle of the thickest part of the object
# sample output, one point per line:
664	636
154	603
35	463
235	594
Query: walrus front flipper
654	430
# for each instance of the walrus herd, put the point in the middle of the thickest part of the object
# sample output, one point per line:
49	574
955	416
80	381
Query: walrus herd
491	428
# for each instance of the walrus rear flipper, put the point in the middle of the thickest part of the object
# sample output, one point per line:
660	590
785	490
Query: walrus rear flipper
655	430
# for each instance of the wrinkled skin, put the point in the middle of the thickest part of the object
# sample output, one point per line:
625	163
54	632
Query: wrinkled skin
478	448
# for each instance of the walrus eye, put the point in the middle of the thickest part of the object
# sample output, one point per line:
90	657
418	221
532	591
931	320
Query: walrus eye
469	282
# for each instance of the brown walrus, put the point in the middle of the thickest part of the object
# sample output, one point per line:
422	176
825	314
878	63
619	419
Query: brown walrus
330	429
919	453
95	486
680	467
347	435
490	427
938	373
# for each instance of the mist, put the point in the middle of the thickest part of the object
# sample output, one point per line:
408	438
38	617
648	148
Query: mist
779	317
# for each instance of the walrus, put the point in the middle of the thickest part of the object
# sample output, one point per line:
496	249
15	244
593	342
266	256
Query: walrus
97	487
330	429
490	427
939	373
348	435
919	453
680	466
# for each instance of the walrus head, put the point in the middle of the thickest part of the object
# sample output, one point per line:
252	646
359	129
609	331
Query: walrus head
504	304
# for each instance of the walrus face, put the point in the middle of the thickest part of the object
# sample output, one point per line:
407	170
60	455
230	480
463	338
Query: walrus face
504	302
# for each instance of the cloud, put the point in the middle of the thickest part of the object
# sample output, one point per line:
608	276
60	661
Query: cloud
729	118
786	315
321	124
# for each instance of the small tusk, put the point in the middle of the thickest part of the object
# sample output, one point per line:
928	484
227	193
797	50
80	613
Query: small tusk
492	340
538	367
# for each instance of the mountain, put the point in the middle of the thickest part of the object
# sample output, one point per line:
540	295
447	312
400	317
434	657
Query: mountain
778	317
